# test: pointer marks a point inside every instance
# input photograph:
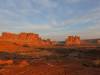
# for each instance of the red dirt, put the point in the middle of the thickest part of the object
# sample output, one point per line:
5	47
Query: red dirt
49	68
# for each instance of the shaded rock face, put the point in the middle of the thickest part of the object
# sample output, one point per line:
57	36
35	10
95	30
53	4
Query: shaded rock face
98	41
73	40
29	39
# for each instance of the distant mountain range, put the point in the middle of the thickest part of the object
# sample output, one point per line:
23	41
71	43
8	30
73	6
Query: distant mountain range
92	40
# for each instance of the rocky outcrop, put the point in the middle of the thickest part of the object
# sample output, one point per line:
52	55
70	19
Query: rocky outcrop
98	41
25	39
7	62
8	36
73	40
28	36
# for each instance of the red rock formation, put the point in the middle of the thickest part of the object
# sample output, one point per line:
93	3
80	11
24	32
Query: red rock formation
29	39
98	41
6	62
8	36
45	43
73	40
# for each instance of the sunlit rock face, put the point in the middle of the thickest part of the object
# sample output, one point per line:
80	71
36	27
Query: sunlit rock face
6	62
28	36
72	40
8	36
29	39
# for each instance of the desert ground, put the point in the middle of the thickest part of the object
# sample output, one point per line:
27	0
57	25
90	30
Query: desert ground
24	60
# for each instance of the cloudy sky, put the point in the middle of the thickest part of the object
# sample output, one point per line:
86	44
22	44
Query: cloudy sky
55	19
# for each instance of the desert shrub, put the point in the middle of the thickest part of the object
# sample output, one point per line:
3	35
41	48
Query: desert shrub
92	63
86	63
96	63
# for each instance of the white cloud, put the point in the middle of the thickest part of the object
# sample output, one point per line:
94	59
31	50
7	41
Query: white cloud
91	16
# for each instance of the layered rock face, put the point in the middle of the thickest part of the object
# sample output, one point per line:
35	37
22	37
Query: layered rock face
72	40
29	39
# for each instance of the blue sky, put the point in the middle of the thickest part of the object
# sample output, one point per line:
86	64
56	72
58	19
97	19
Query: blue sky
55	19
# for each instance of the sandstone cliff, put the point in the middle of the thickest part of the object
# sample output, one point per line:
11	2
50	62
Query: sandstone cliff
26	39
73	40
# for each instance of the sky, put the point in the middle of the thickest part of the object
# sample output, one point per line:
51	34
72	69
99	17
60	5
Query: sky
54	19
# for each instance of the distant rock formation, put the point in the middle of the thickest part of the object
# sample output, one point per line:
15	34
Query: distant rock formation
72	40
25	39
98	41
